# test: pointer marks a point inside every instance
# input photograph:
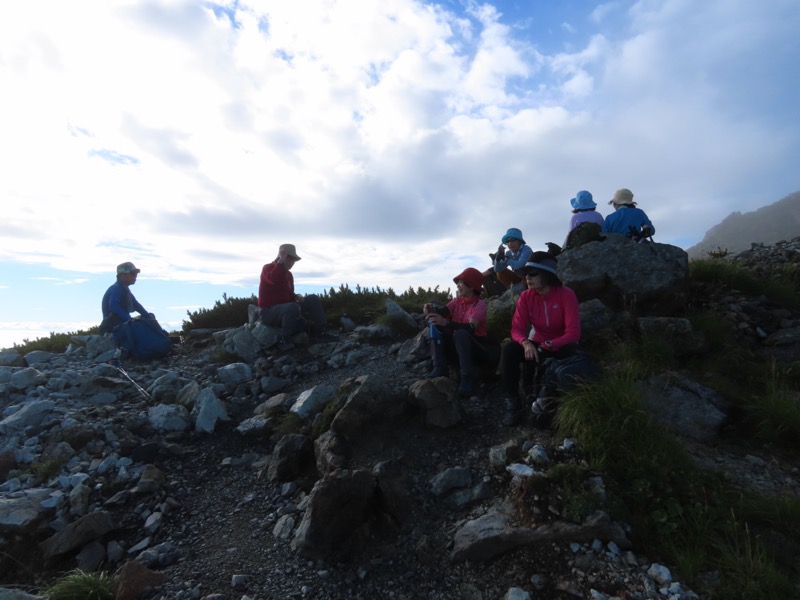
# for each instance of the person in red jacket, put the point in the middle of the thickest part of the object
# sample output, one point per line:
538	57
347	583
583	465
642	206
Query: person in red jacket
546	324
281	307
458	331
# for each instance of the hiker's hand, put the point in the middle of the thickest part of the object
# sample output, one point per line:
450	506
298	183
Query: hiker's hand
437	319
530	350
501	252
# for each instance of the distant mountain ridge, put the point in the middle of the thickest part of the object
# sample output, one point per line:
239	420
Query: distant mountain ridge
767	225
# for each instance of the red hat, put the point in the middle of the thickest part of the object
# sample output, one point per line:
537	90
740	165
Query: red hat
472	277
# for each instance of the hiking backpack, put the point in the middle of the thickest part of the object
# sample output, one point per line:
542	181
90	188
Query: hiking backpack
143	339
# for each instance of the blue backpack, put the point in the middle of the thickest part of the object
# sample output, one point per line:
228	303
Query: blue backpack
142	339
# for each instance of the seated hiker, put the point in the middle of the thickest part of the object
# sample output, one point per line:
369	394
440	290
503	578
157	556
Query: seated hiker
500	276
140	337
281	307
458	331
627	219
118	301
546	323
586	224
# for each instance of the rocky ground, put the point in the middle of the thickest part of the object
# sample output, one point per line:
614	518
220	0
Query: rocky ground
224	528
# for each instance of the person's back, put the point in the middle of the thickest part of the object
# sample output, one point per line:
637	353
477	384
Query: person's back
627	219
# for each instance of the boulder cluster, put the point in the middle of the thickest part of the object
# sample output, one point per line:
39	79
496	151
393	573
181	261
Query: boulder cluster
343	473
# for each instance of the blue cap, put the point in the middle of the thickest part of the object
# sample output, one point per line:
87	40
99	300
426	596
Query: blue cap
513	234
582	201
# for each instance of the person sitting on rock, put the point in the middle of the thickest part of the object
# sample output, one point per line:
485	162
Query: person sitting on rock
458	330
118	302
501	276
627	219
281	307
546	323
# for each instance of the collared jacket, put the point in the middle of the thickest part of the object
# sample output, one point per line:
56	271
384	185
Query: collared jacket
464	311
625	217
514	260
553	317
276	286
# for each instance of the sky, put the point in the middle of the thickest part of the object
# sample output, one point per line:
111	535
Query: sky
392	142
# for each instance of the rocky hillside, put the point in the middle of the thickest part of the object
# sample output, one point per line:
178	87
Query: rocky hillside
767	225
335	470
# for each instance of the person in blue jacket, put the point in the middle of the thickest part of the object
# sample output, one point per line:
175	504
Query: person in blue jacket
501	275
119	302
627	219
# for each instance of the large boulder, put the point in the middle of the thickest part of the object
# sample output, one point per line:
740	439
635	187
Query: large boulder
340	504
647	278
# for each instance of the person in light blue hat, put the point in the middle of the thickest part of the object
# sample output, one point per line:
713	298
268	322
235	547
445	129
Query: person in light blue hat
501	277
583	210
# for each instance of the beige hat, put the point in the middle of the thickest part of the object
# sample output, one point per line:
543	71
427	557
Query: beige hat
290	251
622	196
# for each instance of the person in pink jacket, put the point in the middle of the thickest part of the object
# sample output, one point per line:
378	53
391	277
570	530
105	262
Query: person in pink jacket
546	324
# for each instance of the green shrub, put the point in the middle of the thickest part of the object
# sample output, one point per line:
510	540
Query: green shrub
772	410
79	585
228	312
361	305
56	343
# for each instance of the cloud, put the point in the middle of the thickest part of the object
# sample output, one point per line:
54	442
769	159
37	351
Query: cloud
198	137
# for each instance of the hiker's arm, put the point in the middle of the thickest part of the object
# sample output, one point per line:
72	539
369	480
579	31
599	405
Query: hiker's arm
115	304
524	256
572	323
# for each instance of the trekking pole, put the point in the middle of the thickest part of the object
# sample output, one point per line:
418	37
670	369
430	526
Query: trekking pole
139	388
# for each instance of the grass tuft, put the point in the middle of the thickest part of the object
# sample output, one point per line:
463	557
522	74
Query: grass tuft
80	585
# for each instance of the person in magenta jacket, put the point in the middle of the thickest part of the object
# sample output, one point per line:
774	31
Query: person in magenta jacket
546	324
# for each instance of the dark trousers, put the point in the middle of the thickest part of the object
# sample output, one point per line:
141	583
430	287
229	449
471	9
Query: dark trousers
462	347
289	317
513	363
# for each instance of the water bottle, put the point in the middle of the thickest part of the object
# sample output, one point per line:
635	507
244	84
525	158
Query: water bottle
434	333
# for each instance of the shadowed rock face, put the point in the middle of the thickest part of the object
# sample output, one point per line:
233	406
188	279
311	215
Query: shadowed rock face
768	225
647	278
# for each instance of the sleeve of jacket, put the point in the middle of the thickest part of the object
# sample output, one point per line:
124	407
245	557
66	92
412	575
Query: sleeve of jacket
138	307
646	221
572	320
524	256
521	322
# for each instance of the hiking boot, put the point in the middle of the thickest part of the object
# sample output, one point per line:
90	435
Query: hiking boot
283	345
513	412
465	388
543	411
436	372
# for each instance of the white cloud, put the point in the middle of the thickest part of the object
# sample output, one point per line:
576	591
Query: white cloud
194	141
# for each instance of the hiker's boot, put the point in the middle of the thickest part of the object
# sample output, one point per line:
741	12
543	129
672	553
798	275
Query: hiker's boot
465	387
513	412
436	372
543	410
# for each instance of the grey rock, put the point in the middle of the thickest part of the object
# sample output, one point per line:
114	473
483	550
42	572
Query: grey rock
312	401
658	285
169	417
439	401
22	511
685	407
339	504
208	409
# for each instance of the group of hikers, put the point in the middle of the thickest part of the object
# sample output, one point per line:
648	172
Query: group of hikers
543	350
